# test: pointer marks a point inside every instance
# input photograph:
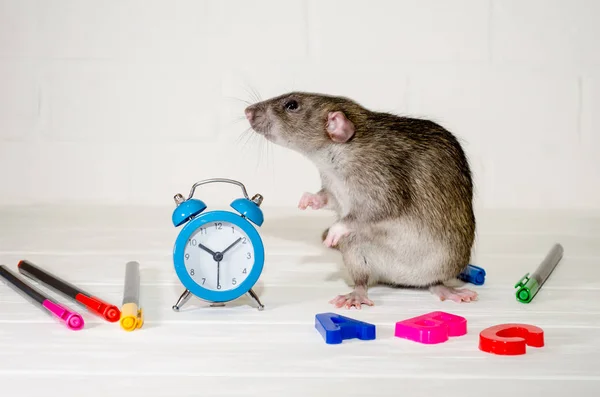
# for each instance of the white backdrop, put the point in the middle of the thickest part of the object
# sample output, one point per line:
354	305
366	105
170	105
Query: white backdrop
131	101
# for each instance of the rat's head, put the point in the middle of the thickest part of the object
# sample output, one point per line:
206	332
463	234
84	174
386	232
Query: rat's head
304	122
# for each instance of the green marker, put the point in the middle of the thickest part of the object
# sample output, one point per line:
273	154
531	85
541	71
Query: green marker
529	286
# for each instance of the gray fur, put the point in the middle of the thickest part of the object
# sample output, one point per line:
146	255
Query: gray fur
402	185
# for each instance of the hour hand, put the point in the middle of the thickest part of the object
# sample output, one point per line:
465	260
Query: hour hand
206	249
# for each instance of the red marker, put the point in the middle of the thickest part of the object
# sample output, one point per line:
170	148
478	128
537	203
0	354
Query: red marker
109	312
71	319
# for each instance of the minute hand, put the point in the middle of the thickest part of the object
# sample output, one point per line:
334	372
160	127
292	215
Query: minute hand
231	246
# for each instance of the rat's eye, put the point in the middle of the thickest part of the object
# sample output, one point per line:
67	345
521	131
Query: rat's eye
291	105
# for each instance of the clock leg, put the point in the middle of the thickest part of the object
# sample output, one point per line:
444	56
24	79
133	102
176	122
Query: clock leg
182	300
255	297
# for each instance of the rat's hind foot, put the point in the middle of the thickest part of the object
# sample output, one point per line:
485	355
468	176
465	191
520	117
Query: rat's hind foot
335	233
453	294
355	298
315	201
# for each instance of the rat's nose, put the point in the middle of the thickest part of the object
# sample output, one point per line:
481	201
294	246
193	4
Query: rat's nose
249	114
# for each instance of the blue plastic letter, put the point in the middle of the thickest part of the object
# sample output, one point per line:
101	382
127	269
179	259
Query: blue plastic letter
335	328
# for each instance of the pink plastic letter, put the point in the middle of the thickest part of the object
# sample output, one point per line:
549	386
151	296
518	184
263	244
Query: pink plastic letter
431	328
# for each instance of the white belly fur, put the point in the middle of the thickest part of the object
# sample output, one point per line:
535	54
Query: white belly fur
403	255
398	252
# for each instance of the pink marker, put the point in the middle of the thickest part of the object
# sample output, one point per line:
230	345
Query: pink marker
431	328
71	319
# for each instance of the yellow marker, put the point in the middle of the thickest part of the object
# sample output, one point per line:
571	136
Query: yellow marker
132	316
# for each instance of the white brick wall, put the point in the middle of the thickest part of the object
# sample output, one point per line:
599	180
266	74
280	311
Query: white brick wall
405	30
134	100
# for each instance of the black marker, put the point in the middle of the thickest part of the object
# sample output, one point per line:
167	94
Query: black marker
106	310
71	319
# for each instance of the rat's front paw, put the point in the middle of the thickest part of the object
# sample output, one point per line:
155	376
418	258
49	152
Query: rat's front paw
356	299
335	233
315	201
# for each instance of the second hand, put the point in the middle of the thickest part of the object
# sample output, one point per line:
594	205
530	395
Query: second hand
218	278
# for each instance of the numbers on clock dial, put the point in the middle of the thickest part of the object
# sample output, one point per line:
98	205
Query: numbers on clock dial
214	241
244	238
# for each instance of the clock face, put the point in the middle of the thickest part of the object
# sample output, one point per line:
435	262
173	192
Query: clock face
219	256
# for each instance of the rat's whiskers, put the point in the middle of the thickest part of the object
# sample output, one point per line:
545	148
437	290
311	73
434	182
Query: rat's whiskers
239	99
257	95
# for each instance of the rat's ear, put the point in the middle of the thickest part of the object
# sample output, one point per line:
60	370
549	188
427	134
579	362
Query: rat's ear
339	128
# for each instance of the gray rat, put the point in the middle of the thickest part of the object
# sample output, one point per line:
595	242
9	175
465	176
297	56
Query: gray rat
401	189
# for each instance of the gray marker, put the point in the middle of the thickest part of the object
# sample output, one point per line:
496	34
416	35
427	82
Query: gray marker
530	285
131	313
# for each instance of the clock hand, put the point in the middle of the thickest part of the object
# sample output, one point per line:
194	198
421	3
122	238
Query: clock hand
231	246
206	249
218	275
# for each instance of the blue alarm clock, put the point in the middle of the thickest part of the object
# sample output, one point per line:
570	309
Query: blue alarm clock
218	255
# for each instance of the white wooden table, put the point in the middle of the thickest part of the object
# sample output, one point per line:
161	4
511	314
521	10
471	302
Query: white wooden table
240	351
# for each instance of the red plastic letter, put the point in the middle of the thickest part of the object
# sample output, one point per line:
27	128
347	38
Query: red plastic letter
510	339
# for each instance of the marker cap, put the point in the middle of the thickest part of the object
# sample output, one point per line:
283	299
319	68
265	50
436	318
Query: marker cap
109	312
131	317
473	274
528	287
71	319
